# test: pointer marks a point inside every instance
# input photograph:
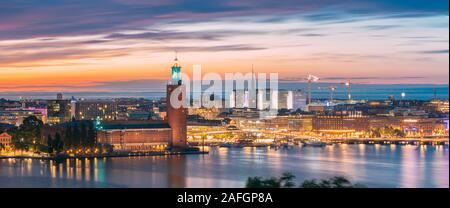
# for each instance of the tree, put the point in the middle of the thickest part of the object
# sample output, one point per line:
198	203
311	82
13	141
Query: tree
50	144
376	133
84	134
258	182
76	136
310	184
68	137
20	145
92	135
58	144
30	129
287	180
334	182
399	133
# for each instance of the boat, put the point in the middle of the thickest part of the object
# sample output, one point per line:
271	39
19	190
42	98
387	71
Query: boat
226	144
214	144
316	143
288	144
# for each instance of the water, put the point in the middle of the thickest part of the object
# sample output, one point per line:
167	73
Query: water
372	165
319	91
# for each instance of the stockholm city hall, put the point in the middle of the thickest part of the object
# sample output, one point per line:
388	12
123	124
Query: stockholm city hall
142	136
177	115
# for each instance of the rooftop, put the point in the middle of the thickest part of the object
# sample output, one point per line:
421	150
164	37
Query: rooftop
135	126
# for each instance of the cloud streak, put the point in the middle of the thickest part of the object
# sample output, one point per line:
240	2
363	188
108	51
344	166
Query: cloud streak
136	38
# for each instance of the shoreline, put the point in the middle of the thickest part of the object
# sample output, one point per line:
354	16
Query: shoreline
382	141
127	154
147	154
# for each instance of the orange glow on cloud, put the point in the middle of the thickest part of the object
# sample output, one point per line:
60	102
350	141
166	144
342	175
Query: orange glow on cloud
337	50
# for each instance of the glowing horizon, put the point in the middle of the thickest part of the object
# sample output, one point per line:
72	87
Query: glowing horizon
44	48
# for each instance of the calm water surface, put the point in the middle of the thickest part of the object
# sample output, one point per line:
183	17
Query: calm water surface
372	165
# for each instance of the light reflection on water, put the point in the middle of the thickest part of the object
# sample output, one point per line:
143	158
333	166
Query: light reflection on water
372	165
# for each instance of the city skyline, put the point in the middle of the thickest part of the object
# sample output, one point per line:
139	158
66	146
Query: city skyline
46	47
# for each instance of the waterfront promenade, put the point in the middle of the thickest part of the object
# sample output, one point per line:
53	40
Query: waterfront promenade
87	156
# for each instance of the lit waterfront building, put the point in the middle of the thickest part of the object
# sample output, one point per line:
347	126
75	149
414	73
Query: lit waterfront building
424	127
5	139
341	124
135	137
141	136
177	115
411	125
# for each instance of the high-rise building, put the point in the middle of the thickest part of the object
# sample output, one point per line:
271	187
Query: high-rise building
59	96
73	107
299	100
58	111
285	99
105	110
176	112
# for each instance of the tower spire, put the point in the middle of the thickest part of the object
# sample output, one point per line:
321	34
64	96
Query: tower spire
176	70
176	59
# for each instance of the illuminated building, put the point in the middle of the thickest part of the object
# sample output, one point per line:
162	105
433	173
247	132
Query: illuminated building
106	110
260	100
424	127
264	99
73	107
241	101
338	124
232	99
284	99
149	135
291	123
177	114
207	113
440	106
136	137
5	139
316	107
299	100
411	126
58	111
9	104
291	100
15	116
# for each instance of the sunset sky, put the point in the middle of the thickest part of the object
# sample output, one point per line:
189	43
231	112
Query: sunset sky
70	45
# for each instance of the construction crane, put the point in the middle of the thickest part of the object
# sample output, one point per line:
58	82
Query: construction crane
332	90
311	79
348	84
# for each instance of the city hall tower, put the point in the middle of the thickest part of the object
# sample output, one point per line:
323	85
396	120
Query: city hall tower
176	114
